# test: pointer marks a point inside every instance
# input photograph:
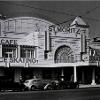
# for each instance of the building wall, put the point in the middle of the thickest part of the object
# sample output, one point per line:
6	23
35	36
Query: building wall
30	31
33	33
73	43
24	25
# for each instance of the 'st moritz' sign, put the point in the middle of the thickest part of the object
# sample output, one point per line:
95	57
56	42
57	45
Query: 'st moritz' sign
65	29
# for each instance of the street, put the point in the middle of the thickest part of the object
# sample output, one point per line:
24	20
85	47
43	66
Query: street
69	94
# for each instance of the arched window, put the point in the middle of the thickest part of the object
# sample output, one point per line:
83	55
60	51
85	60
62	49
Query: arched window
64	54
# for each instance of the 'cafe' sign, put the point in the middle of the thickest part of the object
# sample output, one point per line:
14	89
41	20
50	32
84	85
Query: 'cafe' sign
9	41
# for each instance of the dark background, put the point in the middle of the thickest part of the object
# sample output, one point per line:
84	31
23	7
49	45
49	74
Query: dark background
56	11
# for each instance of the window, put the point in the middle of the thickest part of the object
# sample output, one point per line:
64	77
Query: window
27	52
64	54
8	51
11	25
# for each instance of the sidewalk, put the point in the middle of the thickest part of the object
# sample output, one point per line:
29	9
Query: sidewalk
88	85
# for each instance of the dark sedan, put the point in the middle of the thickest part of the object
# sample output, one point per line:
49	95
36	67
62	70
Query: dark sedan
67	85
41	84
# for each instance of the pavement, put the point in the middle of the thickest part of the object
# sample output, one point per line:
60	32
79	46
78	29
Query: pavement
88	85
66	94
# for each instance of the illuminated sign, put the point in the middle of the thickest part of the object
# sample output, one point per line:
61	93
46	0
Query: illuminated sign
4	41
20	60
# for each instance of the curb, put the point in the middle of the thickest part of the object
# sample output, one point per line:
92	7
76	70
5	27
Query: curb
88	86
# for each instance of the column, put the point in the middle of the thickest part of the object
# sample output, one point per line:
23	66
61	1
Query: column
36	53
30	53
62	74
1	50
33	53
75	74
93	76
18	51
26	53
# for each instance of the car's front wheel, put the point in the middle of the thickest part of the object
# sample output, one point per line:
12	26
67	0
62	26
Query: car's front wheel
33	88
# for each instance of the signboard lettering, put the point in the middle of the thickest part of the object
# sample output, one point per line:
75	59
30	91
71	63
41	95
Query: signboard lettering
94	58
3	41
86	57
66	29
20	60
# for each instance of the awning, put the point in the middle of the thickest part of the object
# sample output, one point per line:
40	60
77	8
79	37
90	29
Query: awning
52	65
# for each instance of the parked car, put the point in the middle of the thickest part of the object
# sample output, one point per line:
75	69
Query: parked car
67	85
41	84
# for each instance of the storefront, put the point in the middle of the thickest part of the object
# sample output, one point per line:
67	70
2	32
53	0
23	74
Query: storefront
34	47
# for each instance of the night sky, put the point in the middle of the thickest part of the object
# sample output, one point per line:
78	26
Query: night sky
56	11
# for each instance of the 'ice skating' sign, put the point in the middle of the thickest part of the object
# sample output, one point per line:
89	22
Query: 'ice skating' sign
19	60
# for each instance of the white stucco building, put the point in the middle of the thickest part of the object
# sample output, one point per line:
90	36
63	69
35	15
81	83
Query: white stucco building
35	47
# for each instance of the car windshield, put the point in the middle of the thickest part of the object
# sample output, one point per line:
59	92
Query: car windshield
36	80
26	81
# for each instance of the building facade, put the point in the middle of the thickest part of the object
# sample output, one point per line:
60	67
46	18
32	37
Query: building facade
32	47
